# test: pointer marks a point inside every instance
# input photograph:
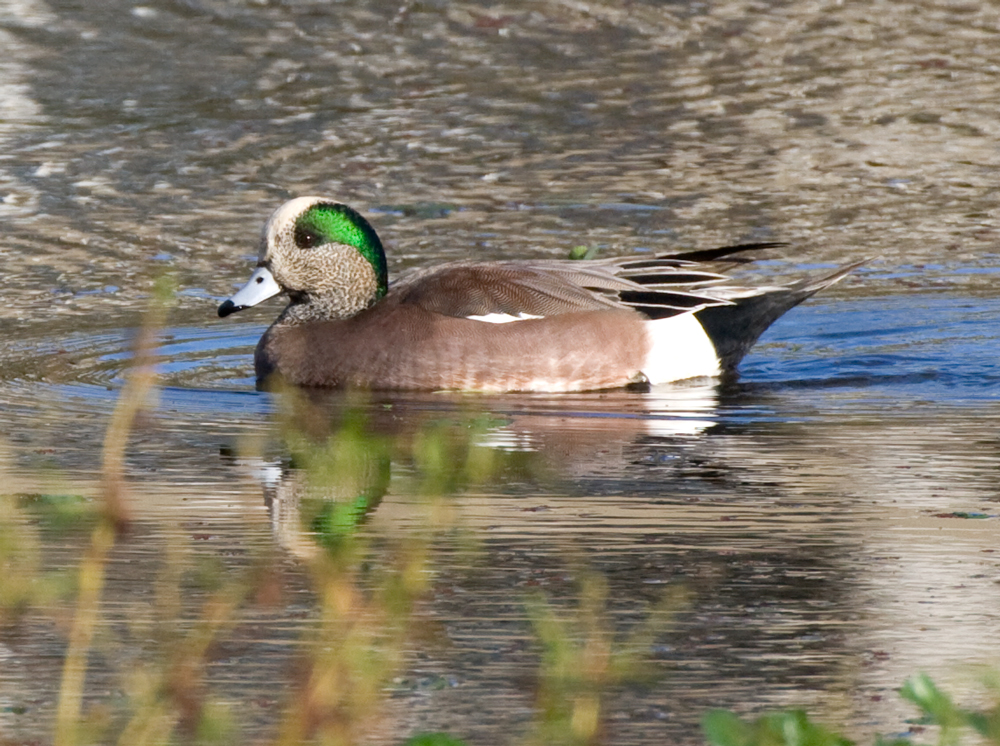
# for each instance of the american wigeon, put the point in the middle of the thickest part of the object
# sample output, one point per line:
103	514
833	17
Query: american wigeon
542	325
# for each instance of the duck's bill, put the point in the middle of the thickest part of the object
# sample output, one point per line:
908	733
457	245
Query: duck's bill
258	289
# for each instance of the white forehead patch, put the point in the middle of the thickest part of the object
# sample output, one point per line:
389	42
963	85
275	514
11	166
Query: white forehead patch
284	216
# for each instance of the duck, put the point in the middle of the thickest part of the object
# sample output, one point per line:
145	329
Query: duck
534	325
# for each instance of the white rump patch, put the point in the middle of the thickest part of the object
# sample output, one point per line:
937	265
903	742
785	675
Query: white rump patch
502	318
680	349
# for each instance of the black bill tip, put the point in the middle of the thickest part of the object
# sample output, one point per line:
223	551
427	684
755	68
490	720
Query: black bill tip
228	307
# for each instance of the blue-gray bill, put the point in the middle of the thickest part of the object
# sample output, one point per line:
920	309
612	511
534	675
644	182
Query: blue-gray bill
258	289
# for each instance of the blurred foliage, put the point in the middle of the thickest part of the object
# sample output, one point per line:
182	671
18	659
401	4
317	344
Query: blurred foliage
23	583
582	661
60	513
342	462
367	586
792	728
580	253
342	456
938	709
952	724
433	739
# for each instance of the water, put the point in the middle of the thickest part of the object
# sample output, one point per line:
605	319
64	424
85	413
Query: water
832	513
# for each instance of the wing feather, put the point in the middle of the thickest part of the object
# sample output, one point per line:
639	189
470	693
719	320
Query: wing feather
657	286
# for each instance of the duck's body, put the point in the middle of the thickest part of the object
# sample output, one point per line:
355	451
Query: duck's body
418	349
501	326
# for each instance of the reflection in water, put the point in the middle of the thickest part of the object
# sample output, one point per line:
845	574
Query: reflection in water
817	551
570	436
813	510
805	544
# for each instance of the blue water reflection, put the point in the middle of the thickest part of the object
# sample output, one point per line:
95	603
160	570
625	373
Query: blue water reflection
939	348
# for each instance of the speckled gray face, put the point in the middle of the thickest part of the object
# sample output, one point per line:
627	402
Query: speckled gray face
324	254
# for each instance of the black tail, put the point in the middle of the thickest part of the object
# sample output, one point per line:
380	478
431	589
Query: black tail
725	253
735	328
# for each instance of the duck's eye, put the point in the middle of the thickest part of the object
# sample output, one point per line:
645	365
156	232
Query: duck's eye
306	239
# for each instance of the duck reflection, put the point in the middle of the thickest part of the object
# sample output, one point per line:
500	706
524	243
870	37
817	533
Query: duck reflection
811	533
343	447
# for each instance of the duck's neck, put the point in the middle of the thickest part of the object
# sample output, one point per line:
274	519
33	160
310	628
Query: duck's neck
305	309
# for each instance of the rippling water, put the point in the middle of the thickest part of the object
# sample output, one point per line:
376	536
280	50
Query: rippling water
833	512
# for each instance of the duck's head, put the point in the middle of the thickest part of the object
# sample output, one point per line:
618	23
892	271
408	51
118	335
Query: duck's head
323	254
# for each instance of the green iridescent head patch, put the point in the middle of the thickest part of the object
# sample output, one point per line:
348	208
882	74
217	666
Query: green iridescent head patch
330	222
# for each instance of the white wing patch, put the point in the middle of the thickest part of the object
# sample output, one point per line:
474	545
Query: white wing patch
502	318
680	349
